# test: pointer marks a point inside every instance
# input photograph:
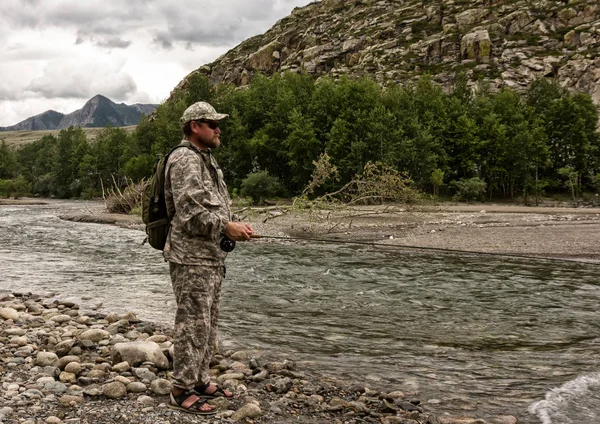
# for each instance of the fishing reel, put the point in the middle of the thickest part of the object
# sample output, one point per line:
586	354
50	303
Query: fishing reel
227	245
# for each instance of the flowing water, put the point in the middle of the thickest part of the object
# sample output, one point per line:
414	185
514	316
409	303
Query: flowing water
474	336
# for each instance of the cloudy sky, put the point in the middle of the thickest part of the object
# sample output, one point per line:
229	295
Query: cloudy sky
57	54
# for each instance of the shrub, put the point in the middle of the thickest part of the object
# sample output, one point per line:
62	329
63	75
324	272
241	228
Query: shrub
469	189
260	186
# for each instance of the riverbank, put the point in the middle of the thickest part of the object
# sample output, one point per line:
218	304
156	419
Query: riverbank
60	365
540	232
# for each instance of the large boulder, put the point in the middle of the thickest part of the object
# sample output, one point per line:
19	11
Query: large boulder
135	353
476	46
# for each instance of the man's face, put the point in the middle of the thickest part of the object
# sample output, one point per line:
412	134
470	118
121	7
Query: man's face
206	133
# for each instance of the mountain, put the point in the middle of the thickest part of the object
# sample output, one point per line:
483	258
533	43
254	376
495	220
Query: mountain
99	111
505	42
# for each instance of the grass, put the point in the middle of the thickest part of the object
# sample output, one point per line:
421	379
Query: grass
21	138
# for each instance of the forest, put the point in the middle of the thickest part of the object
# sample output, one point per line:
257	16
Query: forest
467	143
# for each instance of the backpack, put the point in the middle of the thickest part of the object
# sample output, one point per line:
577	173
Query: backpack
154	207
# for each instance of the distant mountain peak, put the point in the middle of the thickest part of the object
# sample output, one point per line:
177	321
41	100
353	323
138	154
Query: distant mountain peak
99	111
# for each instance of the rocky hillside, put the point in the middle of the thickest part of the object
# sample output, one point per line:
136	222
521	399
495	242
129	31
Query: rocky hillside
99	111
507	42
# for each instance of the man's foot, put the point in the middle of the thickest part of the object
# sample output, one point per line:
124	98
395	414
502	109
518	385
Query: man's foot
189	401
212	391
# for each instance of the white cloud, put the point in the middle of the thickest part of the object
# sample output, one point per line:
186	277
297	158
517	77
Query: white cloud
73	79
59	53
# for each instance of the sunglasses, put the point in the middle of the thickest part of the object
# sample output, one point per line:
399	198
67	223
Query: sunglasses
213	125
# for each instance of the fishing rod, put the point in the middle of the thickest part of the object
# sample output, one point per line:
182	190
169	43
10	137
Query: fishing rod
228	245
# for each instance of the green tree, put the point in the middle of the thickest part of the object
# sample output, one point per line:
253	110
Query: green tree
437	180
303	149
571	176
8	161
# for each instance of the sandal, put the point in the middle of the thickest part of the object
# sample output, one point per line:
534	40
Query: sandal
201	390
189	401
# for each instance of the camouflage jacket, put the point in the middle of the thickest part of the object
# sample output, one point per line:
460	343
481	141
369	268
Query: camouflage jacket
199	205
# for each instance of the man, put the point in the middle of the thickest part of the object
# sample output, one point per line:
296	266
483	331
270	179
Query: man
199	205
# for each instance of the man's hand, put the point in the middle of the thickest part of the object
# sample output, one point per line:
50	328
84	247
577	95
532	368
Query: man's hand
238	231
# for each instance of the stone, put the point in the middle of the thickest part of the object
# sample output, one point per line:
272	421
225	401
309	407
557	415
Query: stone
136	387
249	410
145	400
476	46
95	335
44	359
161	387
19	340
262	59
136	353
5	411
239	356
64	347
9	313
112	317
62	362
70	400
121	367
96	374
55	387
114	390
503	419
67	377
283	385
131	317
144	374
73	368
157	338
60	319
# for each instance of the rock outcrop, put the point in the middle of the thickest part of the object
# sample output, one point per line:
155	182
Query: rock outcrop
507	43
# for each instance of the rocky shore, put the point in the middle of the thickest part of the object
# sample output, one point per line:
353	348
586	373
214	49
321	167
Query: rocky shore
61	365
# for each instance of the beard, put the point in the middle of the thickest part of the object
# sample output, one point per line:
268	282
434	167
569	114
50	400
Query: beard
210	142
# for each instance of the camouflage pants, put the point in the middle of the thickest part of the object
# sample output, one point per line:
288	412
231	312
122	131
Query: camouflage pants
197	290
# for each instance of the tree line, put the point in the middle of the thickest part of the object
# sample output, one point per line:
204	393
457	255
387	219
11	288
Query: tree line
463	143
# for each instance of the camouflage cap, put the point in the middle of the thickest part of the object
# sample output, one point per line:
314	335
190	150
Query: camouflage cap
201	110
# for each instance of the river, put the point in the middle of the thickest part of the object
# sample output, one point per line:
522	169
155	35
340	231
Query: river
473	336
